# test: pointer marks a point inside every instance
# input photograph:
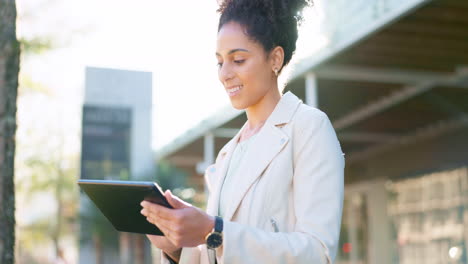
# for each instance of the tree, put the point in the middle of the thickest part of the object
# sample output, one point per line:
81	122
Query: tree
9	68
46	168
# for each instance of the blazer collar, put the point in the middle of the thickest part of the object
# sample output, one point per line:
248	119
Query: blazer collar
282	114
284	110
270	140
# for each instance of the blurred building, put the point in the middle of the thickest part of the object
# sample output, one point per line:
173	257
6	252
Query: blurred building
394	82
116	145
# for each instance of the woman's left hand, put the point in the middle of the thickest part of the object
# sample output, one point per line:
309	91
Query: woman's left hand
184	226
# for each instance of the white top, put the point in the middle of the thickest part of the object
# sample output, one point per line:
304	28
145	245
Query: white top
229	184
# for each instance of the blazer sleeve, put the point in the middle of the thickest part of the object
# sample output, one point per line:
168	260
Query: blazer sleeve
318	184
187	256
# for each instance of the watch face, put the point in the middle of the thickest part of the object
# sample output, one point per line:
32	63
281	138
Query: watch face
214	240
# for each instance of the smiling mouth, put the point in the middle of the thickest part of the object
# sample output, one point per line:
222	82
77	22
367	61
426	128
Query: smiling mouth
234	90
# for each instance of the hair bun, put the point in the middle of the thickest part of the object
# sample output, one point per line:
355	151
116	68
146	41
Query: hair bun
275	9
293	8
270	22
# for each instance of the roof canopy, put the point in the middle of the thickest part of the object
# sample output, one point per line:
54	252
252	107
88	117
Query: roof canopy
392	79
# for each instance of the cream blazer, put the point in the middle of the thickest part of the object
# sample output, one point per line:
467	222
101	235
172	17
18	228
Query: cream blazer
289	198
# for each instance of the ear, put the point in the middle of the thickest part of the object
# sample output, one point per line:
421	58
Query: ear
277	58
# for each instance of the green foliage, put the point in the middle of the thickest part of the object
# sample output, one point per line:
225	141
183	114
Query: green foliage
95	224
47	176
45	171
36	45
176	180
27	84
169	177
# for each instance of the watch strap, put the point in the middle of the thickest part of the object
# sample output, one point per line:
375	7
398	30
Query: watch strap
218	224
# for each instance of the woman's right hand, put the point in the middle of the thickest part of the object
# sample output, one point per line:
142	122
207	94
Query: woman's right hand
166	246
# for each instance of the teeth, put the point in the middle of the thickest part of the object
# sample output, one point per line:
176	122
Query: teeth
235	89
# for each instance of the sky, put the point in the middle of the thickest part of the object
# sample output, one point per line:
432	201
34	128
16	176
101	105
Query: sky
175	40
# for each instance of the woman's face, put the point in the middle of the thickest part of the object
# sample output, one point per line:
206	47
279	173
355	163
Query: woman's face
243	67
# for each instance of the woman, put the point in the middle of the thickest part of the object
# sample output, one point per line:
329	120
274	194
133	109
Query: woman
276	189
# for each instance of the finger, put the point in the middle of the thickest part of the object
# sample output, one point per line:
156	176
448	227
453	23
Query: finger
167	228
175	201
157	210
163	227
162	223
144	212
148	213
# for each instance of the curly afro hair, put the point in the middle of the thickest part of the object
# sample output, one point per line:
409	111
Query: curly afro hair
269	22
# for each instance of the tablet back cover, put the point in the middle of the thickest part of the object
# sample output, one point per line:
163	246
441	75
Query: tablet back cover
119	201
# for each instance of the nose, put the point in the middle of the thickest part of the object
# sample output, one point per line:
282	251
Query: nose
225	73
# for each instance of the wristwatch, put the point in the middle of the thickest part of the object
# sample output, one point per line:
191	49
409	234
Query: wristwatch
215	238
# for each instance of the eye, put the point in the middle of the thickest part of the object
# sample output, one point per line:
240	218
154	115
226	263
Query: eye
219	65
239	61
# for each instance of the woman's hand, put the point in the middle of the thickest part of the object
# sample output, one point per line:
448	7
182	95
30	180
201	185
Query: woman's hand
183	226
166	246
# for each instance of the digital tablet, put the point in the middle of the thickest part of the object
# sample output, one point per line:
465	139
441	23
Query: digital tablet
119	201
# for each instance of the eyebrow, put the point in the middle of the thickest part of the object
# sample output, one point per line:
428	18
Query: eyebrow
233	51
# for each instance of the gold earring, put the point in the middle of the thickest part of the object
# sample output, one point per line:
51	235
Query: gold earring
276	72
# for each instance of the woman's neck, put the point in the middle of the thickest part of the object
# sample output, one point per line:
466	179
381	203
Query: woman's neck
257	114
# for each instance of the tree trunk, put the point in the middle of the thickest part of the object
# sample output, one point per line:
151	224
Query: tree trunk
9	68
56	235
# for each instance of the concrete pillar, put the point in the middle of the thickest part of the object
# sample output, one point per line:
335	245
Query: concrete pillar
311	96
380	241
208	153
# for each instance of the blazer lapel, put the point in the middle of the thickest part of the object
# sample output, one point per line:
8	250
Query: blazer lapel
221	168
267	144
